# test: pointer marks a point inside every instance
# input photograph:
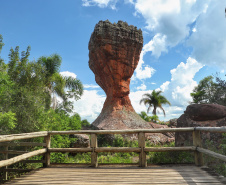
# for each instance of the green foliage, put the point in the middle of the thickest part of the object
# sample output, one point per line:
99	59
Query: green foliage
154	118
7	122
156	100
115	158
1	45
144	116
55	83
217	165
85	123
209	91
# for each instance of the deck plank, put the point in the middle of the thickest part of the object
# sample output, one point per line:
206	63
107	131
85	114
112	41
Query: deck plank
118	175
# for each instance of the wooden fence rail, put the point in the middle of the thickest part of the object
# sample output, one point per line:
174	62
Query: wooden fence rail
94	149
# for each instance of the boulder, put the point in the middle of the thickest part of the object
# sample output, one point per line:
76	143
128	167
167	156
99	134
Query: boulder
205	112
194	118
173	122
81	142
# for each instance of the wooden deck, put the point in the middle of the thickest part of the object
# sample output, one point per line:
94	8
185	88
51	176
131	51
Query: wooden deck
166	174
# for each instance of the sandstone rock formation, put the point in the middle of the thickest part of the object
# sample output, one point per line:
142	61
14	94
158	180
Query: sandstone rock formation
201	115
204	112
114	51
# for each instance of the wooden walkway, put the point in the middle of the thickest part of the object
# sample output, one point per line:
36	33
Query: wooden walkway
69	175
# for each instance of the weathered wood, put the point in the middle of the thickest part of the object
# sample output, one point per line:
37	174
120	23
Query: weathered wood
6	156
23	144
47	154
142	155
4	138
212	129
15	170
93	146
32	161
21	157
117	149
160	175
13	152
71	150
131	131
212	154
197	142
168	149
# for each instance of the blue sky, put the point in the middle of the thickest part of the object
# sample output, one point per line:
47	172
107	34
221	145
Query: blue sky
184	41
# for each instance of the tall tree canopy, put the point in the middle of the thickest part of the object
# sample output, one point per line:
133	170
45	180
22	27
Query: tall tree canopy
155	100
210	91
56	83
27	89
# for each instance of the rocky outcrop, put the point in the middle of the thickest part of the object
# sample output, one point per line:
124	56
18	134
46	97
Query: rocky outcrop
114	51
201	115
206	112
173	122
82	141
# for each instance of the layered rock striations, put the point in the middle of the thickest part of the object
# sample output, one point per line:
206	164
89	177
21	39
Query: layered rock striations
114	51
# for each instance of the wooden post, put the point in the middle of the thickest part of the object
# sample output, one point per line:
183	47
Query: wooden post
5	174
141	144
93	145
47	155
197	142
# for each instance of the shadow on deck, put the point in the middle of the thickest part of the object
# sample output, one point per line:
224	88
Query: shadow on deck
120	174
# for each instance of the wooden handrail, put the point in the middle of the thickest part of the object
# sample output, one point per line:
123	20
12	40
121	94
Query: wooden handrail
94	149
12	137
212	129
129	131
19	158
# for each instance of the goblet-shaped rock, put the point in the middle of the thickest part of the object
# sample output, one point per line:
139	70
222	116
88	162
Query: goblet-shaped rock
114	51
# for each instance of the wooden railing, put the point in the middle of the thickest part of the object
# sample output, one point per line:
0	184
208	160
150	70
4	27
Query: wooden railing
94	149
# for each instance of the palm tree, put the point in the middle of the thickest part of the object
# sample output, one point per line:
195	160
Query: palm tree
56	84
156	100
144	116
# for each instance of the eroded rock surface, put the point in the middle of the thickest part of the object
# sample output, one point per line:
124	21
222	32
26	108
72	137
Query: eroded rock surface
201	115
114	51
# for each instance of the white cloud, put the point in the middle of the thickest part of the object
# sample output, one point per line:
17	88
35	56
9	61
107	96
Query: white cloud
194	30
100	3
178	90
143	71
209	42
169	20
171	111
68	74
135	98
91	86
142	87
90	105
157	45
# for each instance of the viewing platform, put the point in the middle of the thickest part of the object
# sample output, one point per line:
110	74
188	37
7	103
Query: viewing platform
94	173
116	174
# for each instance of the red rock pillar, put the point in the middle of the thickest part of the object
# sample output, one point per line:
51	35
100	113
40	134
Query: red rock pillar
114	51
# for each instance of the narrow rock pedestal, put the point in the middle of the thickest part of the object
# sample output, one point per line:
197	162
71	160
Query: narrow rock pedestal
114	51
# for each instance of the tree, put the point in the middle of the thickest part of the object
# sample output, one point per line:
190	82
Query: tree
204	92
144	116
56	83
155	100
26	97
1	45
210	91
